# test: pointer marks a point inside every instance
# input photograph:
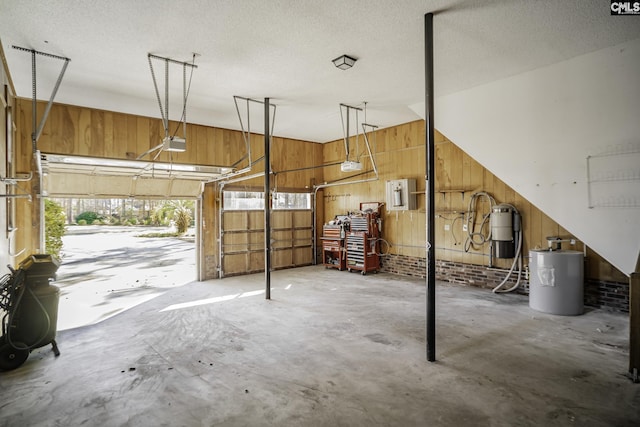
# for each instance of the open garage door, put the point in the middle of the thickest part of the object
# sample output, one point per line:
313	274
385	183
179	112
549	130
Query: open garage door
76	176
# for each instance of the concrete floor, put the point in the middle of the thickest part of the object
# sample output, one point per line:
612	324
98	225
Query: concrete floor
330	349
107	270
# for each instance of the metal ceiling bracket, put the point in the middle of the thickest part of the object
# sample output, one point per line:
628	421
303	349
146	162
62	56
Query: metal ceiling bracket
164	111
368	145
168	139
345	111
37	127
246	133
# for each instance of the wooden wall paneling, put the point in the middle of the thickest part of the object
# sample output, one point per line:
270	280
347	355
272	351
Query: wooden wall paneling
234	242
302	237
235	264
441	235
535	227
477	257
256	245
121	137
206	146
598	268
156	134
51	131
215	147
398	157
408	136
499	190
255	220
421	183
67	134
456	166
398	234
548	228
418	132
312	157
24	236
190	155
235	220
256	262
132	138
378	140
220	148
302	256
319	160
96	133
384	170
282	219
487	182
393	138
417	233
109	133
257	150
233	140
524	207
442	168
301	218
83	143
467	182
284	238
209	225
281	258
476	172
201	152
405	231
453	237
328	152
47	130
565	234
510	195
469	186
62	132
392	232
283	156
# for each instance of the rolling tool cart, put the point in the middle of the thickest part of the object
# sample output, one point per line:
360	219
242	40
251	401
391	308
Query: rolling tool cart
29	309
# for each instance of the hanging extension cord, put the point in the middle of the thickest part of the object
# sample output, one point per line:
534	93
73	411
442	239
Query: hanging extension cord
517	259
477	239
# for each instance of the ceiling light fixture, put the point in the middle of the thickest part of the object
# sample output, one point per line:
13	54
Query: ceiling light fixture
344	62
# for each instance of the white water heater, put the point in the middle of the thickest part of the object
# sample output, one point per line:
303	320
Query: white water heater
557	282
401	195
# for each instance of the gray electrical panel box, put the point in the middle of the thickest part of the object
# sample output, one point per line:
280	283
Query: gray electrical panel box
401	195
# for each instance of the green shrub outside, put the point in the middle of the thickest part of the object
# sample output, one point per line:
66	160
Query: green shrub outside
88	217
54	224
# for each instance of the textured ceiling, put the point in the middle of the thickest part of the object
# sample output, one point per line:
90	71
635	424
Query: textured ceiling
283	50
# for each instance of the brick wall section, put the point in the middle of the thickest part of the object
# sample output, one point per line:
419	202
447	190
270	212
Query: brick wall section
611	296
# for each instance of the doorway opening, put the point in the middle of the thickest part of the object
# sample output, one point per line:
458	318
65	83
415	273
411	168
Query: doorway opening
118	253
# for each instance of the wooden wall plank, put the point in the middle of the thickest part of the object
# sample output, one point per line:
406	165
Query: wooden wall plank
399	152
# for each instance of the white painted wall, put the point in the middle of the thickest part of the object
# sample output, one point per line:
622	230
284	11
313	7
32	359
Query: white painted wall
535	131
